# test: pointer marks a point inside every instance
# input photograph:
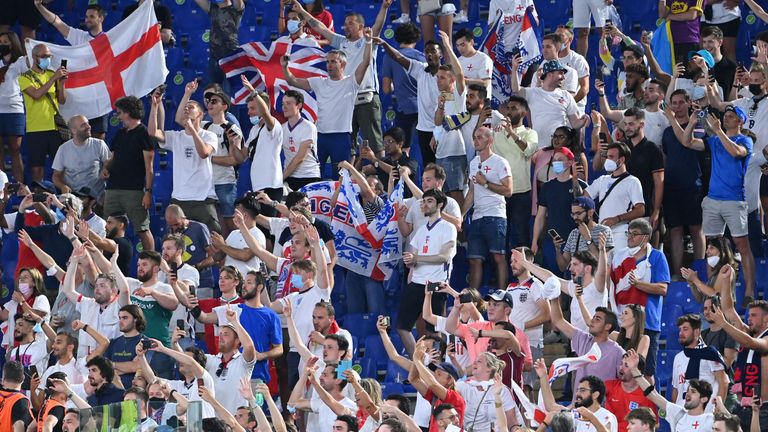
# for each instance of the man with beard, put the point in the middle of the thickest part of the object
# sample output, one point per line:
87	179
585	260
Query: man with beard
482	113
64	348
328	382
586	236
711	367
183	278
324	323
79	161
100	377
155	298
715	336
623	393
690	417
590	393
30	351
99	312
115	241
632	97
230	366
394	156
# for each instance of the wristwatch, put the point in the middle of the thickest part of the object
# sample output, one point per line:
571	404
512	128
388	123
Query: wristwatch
589	242
376	164
485	185
147	190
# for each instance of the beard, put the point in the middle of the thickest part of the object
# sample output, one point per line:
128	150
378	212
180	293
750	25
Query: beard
249	295
145	277
689	405
111	234
586	403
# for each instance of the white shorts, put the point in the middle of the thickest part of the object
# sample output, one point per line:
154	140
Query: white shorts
584	9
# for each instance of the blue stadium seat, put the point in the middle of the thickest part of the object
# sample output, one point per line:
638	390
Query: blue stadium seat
368	366
395	373
664	361
669	314
194	21
761	276
374	349
391	388
673	341
361	325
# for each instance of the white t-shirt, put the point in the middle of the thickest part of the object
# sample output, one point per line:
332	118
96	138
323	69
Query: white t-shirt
335	102
229	379
622	198
428	240
417	219
707	370
235	240
81	164
76	372
426	95
451	143
11	100
606	418
549	111
292	139
325	416
77	36
32	354
222	174
579	64
3	181
189	391
483	403
680	421
655	124
192	176
268	172
526	308
41	304
355	53
303	303
106	322
488	203
592	299
479	66
191	277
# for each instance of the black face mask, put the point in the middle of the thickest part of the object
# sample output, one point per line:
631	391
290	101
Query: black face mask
157	399
5	50
756	89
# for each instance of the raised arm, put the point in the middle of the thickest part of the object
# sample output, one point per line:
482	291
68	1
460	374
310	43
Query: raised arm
546	390
514	78
293	332
556	313
52	18
313	22
632	360
736	151
426	375
688	140
451	59
153	129
381	17
269	259
301	83
364	65
323	279
389	347
392	52
219	410
759	11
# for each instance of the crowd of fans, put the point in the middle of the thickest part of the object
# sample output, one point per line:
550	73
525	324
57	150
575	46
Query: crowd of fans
554	258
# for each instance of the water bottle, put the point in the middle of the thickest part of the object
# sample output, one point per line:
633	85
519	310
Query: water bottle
259	397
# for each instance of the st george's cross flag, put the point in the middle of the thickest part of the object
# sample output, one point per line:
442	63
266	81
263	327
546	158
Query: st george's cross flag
128	60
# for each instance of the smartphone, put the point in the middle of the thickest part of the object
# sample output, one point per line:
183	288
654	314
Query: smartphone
13	188
433	286
192	291
448	96
593	107
599	73
342	367
28	374
386	321
465	298
174	269
39	197
578	280
180	324
552	233
64	63
200	383
603	137
608	22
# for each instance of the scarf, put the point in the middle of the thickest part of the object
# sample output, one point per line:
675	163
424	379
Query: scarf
696	355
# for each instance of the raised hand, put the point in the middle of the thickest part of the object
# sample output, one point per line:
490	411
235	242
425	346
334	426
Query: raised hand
540	367
191	87
238	220
78	325
245	389
713	122
246	83
25	238
679	70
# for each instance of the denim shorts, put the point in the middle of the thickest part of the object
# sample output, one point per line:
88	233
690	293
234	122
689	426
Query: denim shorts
455	173
486	235
12	124
226	193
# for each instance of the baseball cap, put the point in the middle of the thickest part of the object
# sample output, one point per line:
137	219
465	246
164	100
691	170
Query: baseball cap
552	66
708	59
85	192
501	296
738	111
586	203
44	185
449	369
567	152
220	94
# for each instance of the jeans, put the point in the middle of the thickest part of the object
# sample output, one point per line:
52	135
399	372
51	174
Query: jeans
364	295
519	219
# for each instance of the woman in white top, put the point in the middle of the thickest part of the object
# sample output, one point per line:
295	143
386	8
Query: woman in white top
12	121
30	288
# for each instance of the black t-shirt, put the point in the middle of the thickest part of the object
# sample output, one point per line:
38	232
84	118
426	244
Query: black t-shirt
323	230
646	159
403	161
57	412
557	197
127	169
162	13
724	72
125	253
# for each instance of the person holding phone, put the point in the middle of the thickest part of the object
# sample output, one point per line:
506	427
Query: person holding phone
122	349
183	278
30	351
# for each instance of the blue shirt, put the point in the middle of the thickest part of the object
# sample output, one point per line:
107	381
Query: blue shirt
404	84
105	395
682	171
659	274
263	325
123	349
727	182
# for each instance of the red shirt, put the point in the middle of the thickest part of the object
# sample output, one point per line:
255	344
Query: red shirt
211	339
27	258
620	403
451	397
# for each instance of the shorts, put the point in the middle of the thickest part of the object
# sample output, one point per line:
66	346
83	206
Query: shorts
201	211
439	12
128	202
227	194
411	304
41	145
729	29
653	349
22	11
682	208
486	235
99	125
717	214
455	173
583	10
13	124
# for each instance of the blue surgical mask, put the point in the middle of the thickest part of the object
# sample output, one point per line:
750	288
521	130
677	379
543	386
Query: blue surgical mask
254	120
44	63
558	167
698	92
293	26
308	2
296	281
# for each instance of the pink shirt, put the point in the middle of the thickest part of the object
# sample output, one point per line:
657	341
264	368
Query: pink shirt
476	347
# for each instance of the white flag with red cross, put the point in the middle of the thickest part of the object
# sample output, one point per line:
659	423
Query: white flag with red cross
128	60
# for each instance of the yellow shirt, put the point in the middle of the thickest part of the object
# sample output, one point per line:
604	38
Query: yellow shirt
519	160
39	112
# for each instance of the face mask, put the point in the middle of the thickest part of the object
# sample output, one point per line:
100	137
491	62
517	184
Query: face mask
296	281
698	92
5	50
25	289
254	120
157	399
634	250
293	26
309	2
713	260
558	167
44	63
610	165
755	89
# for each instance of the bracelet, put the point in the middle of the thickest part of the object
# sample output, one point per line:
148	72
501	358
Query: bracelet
648	390
637	376
497	404
85	328
601	94
545	423
480	334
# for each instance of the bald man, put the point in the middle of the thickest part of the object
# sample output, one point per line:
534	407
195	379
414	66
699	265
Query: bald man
79	161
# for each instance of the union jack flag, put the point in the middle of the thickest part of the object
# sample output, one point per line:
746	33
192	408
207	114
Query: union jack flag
261	65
